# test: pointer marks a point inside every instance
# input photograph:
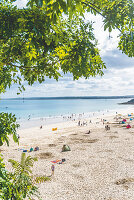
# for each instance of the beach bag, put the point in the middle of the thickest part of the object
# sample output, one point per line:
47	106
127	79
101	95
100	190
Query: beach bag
36	149
128	126
65	148
31	149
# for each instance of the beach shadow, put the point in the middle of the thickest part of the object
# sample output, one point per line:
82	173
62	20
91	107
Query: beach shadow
45	155
126	160
92	141
124	181
77	176
52	145
76	165
81	140
73	134
113	136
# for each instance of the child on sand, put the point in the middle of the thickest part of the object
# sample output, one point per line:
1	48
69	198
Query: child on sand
52	168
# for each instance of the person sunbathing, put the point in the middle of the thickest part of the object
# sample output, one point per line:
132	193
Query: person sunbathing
88	132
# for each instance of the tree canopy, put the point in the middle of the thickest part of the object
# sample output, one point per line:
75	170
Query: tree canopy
50	36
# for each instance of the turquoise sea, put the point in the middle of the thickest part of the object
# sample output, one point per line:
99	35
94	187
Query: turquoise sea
56	107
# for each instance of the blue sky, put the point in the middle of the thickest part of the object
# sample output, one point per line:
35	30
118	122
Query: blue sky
118	78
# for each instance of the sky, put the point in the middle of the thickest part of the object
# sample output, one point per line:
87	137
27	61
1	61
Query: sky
118	78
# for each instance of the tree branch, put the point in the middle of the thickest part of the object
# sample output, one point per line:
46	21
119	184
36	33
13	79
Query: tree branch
94	7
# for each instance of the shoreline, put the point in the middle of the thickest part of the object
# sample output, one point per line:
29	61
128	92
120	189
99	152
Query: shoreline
44	121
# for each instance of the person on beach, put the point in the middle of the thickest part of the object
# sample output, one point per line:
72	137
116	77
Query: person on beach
52	168
41	127
88	132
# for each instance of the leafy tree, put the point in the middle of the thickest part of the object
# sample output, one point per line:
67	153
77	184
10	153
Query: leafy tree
117	14
18	185
37	42
41	48
8	126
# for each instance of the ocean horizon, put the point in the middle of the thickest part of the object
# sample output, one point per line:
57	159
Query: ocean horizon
70	97
38	107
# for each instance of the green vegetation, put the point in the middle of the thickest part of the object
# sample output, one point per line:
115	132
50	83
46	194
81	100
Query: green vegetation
41	40
18	185
8	126
38	42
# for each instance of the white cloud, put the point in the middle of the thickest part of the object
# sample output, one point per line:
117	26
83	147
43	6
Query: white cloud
21	3
106	41
114	82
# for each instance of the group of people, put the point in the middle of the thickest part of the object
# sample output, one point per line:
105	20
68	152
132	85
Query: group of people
31	149
82	123
107	127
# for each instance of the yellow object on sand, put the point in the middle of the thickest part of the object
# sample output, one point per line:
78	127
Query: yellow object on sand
54	129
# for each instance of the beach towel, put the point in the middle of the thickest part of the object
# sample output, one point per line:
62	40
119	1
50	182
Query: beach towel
24	150
56	161
54	129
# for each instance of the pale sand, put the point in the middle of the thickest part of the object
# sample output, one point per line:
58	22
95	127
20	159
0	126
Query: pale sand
94	164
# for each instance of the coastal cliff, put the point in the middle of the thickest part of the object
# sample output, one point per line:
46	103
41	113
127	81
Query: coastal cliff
129	102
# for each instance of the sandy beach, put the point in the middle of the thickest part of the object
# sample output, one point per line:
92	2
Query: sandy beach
100	165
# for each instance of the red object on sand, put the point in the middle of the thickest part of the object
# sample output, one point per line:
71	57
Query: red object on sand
128	126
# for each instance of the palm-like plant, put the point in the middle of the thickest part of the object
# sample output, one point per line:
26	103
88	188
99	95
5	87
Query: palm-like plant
22	178
24	166
19	184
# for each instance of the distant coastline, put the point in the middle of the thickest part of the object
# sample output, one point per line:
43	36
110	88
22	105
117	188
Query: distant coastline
131	102
69	97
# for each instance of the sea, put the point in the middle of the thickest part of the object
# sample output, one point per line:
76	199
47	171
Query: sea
34	108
